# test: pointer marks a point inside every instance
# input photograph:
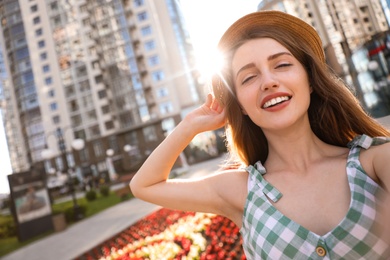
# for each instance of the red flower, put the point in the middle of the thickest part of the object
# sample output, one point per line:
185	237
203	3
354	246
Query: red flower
222	236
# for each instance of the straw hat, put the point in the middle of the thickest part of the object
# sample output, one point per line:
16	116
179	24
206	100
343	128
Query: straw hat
277	19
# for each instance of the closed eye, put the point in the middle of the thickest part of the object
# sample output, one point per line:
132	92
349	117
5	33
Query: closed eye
248	79
283	65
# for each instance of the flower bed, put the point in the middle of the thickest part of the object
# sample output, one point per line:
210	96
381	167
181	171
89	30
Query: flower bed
172	234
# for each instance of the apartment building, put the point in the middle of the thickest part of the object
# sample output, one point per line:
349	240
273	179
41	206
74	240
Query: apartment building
114	73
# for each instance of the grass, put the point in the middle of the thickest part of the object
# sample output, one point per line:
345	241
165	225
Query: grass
7	245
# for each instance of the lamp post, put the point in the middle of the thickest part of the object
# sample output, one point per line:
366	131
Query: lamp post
77	144
111	169
129	149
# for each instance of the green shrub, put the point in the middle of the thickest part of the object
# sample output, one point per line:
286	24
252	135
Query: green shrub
69	212
105	190
91	195
6	203
7	228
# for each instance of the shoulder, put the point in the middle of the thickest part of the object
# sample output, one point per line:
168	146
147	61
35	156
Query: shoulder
375	162
233	177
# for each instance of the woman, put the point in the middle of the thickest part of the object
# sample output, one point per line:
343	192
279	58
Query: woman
312	174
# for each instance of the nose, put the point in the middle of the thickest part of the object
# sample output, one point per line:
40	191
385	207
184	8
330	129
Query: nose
269	81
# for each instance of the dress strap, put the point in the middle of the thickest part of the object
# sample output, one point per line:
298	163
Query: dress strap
256	173
365	141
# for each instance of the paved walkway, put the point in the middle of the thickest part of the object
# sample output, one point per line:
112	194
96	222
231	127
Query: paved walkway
88	233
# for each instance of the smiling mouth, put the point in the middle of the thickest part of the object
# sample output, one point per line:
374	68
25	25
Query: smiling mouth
276	101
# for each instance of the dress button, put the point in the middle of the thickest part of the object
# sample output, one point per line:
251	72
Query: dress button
320	251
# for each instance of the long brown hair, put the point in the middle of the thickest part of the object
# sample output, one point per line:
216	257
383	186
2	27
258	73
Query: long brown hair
335	114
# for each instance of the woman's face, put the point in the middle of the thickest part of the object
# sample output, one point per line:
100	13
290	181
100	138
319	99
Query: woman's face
271	85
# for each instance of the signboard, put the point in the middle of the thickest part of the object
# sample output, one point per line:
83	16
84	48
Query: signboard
30	204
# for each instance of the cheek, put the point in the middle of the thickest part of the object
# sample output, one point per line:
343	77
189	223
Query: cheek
247	102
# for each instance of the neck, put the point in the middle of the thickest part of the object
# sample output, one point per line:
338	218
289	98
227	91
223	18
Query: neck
295	151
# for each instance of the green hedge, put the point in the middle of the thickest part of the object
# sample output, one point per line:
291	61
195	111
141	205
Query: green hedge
105	190
69	212
91	195
7	228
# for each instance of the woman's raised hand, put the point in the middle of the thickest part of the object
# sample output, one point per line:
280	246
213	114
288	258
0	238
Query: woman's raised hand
209	116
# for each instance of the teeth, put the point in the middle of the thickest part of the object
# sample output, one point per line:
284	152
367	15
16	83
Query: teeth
275	101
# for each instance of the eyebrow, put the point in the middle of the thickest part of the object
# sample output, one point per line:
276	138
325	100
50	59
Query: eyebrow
271	57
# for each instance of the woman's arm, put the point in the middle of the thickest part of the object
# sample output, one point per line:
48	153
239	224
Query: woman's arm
380	159
381	168
151	181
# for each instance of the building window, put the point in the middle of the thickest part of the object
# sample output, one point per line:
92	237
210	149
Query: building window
36	20
158	75
98	79
76	120
22	53
105	109
46	68
53	106
102	94
150	45
109	125
56	119
59	163
54	6
48	81
43	56
34	8
168	125
113	143
51	93
98	148
154	60
138	3
94	131
84	155
41	44
57	21
149	133
162	92
142	16
84	86
146	30
102	166
38	32
132	138
166	108
80	134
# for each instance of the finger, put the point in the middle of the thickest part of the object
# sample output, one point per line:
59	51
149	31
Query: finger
209	100
215	106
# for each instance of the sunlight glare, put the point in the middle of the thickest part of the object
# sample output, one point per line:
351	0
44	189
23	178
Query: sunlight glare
209	62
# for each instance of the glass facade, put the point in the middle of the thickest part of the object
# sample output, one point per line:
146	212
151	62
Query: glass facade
24	90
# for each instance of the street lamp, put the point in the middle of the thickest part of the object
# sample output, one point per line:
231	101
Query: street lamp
129	149
111	169
77	144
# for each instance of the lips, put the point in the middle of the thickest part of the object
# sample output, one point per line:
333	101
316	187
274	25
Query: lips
274	99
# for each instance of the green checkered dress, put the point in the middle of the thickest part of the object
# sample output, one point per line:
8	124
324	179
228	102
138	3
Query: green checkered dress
268	234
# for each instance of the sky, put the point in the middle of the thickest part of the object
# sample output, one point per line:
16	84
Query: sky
5	165
206	21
